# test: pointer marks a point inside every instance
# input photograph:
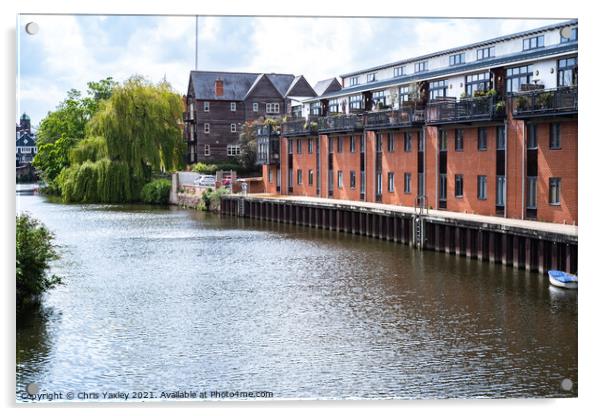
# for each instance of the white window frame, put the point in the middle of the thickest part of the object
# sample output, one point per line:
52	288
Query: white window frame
232	127
207	150
272	108
353	81
371	77
399	71
207	128
232	106
206	106
233	149
255	107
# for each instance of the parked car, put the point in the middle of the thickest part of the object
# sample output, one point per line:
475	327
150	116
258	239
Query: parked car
205	180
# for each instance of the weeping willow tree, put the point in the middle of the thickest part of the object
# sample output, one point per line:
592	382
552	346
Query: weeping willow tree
134	133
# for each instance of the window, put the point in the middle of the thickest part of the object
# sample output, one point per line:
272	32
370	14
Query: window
297	111
407	183
500	191
456	59
443	187
421	141
485	53
532	192
437	89
362	144
390	142
420	184
482	142
420	66
533	43
379	142
289	179
333	106
379	183
477	82
206	128
459	190
404	94
352	144
290	146
315	109
339	144
398	71
500	138
371	77
340	179
299	146
310	146
391	181
233	106
354	81
356	102
555	191
270	175
571	38
517	76
482	187
233	149
379	99
299	176
407	141
352	179
255	107
207	150
206	106
330	144
459	143
443	140
555	136
272	108
232	127
532	136
567	72
310	177
362	182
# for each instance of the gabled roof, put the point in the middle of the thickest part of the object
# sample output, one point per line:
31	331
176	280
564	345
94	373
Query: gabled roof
237	85
299	80
327	85
258	80
25	139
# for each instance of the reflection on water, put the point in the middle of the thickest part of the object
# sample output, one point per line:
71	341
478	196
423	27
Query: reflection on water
168	299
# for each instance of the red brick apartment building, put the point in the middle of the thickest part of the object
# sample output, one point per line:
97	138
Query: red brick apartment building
488	128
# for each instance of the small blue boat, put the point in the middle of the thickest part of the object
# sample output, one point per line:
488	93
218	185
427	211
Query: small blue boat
562	279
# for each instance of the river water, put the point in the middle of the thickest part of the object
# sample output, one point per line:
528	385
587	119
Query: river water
172	300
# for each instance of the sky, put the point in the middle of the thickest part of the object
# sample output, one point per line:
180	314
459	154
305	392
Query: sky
69	51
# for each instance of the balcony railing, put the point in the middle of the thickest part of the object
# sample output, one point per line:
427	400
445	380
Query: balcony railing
300	127
268	150
559	101
340	123
404	117
189	115
267	131
465	110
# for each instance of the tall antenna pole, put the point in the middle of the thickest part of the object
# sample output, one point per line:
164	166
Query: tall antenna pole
196	43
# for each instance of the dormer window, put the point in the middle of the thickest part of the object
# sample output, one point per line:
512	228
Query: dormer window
485	53
571	38
371	77
533	43
353	81
456	59
420	66
398	71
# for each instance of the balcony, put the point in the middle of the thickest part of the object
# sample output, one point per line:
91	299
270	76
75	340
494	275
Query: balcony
391	119
340	123
545	103
299	127
449	111
189	116
268	144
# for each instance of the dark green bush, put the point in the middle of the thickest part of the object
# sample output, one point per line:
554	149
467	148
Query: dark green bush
34	253
156	192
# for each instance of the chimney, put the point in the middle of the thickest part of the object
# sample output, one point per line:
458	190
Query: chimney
219	87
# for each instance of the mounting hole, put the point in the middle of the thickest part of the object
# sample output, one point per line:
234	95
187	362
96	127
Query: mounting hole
566	384
32	28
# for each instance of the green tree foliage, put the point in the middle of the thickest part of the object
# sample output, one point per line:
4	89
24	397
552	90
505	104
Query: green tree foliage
52	158
91	148
141	125
248	147
156	192
35	251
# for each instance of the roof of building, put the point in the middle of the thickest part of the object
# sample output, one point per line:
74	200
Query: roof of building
470	66
464	47
236	84
322	86
24	138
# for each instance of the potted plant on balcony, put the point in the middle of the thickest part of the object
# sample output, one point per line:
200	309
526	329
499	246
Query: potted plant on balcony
521	103
500	107
544	100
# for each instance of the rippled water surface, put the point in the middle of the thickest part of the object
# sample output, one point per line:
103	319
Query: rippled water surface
170	299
